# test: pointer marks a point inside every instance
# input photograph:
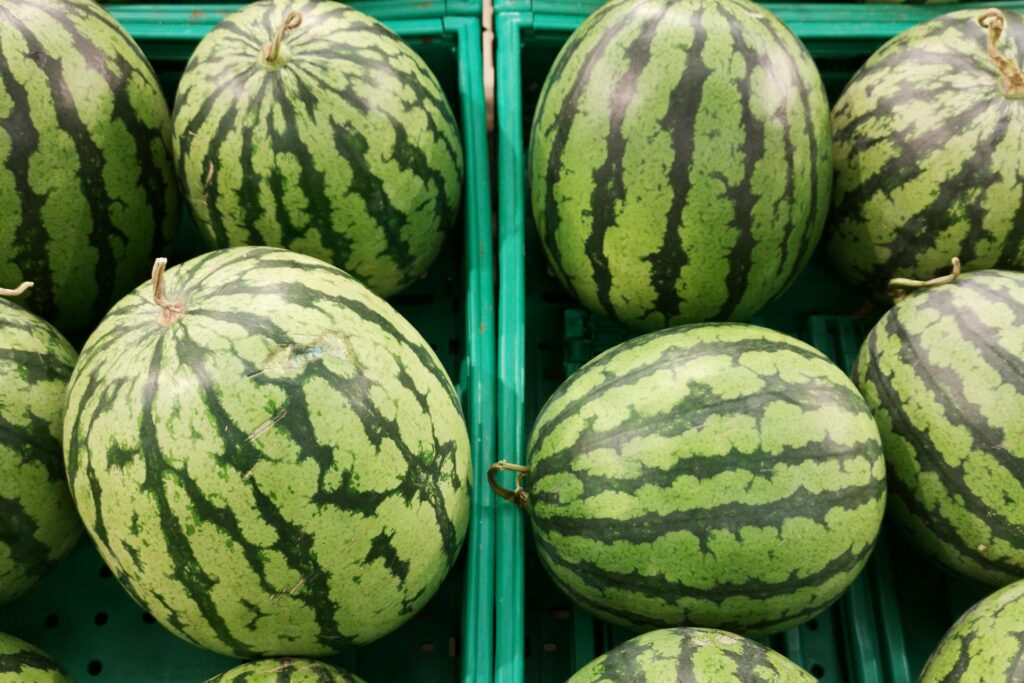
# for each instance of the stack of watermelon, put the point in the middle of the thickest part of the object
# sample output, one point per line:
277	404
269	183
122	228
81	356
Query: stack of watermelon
725	476
274	463
269	458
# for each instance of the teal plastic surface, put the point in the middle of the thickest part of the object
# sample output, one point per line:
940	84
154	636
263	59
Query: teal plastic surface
82	617
381	9
845	22
886	625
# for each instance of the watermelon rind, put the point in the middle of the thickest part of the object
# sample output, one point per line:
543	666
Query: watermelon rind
38	521
279	467
720	475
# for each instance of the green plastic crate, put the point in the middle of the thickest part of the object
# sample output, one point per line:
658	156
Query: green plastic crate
385	10
82	617
886	625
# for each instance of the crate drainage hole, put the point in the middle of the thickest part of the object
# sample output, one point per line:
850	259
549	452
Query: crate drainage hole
817	671
95	667
51	621
812	625
100	619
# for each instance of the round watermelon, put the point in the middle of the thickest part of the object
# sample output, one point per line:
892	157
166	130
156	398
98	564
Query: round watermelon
24	663
984	645
680	161
943	374
720	475
270	459
926	154
38	521
691	655
87	188
285	670
313	127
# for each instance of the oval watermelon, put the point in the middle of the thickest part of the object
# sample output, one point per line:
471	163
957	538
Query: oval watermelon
285	670
943	375
984	645
698	189
691	655
38	521
926	155
87	188
272	460
719	475
342	146
24	663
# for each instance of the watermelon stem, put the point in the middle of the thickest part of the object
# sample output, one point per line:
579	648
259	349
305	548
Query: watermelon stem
17	291
170	311
519	496
272	49
1012	83
898	285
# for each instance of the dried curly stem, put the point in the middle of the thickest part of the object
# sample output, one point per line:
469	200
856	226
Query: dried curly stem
170	311
1012	82
272	49
519	496
898	286
17	291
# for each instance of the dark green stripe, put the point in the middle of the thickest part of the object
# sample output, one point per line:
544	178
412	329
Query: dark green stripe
673	591
790	50
608	181
731	517
28	663
691	415
18	535
24	141
563	121
670	358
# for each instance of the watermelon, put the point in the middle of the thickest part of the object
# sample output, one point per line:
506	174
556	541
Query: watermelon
315	128
720	475
87	188
285	670
23	663
984	645
271	460
691	655
698	190
942	372
38	521
927	154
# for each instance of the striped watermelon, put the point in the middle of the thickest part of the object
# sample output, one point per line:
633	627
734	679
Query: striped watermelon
720	475
691	655
342	146
927	155
285	670
271	459
943	374
23	663
38	521
698	190
984	645
87	189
